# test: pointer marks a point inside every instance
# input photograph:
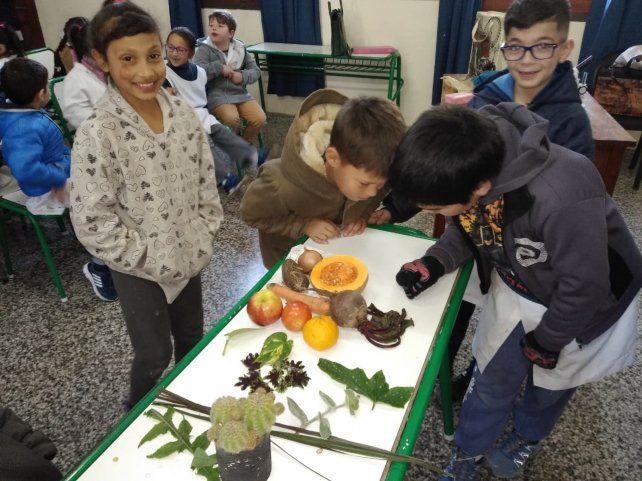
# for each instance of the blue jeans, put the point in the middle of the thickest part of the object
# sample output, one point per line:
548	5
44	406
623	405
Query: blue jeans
492	397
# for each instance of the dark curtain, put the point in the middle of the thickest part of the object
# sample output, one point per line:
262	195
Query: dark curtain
454	29
292	21
186	13
611	26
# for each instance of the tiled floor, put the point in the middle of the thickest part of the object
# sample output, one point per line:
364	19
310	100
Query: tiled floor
65	366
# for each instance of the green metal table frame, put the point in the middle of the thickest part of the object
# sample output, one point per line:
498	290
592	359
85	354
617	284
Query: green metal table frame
437	366
269	57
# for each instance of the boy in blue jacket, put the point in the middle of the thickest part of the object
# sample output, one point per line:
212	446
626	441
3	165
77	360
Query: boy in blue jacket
559	267
32	144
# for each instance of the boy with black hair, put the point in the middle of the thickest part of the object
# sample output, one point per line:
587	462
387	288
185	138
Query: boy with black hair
557	261
32	144
331	174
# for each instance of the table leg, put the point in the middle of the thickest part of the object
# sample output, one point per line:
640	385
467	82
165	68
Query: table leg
446	398
261	94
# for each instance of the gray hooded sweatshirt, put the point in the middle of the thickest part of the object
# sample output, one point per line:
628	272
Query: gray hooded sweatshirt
221	90
563	235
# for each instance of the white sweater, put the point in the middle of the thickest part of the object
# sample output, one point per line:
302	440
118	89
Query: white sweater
80	91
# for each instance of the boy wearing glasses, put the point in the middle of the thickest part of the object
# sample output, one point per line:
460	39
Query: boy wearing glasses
539	74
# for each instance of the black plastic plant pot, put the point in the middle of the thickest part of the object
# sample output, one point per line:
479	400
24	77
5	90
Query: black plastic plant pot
252	465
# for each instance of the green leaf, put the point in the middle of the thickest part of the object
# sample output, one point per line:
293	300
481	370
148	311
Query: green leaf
375	388
328	400
210	474
352	400
397	396
185	428
201	441
156	431
297	411
238	332
202	459
275	348
324	427
167	449
167	421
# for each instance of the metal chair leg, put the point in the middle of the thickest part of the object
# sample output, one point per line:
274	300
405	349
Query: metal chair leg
636	159
5	250
49	259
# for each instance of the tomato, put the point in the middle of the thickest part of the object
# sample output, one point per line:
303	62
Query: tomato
295	314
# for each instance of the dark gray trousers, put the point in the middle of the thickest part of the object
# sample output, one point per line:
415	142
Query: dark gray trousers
151	324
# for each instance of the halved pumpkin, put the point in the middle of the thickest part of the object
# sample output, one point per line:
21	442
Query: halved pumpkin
339	273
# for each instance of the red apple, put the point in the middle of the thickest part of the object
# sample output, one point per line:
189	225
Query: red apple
295	315
264	307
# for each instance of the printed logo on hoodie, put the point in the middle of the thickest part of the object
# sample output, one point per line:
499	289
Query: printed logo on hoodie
529	252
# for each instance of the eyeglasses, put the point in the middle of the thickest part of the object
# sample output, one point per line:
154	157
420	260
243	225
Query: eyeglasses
178	50
539	51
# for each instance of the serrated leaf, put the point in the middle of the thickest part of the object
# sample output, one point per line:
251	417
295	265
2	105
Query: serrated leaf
375	388
156	431
201	441
202	459
275	348
324	427
352	400
238	332
185	428
297	411
328	400
210	474
167	449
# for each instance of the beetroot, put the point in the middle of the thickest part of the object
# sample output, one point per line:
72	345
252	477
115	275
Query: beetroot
348	308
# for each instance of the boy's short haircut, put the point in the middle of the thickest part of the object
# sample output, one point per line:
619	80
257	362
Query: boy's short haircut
445	155
22	79
224	18
366	133
524	14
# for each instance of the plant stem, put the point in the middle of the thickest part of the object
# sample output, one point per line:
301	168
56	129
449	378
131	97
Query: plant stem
327	411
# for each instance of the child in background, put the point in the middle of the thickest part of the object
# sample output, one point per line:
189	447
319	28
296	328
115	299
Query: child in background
10	48
86	83
331	174
143	194
32	144
229	69
83	86
560	268
188	81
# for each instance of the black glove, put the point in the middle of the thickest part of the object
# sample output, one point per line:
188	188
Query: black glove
537	354
418	275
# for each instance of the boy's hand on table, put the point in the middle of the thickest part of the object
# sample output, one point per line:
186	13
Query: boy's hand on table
381	216
321	230
536	354
353	228
418	275
237	78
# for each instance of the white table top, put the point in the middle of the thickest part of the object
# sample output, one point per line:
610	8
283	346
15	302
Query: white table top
211	375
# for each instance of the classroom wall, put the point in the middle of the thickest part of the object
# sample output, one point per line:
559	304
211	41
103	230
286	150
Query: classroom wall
409	25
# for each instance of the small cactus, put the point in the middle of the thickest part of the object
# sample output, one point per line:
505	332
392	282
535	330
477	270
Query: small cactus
240	424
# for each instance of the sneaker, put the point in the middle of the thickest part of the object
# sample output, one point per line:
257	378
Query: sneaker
262	156
508	459
101	282
462	467
230	182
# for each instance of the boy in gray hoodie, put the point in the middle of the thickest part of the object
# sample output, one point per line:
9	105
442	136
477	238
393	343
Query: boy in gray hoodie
229	69
559	267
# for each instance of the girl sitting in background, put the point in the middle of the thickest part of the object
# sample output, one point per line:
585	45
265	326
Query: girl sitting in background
143	194
10	47
187	80
86	82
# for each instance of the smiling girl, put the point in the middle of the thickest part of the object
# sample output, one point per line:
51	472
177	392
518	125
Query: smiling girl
143	195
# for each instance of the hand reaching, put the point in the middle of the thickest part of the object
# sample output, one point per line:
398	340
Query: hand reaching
418	275
321	230
381	216
353	228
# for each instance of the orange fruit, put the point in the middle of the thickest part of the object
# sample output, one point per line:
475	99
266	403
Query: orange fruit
321	332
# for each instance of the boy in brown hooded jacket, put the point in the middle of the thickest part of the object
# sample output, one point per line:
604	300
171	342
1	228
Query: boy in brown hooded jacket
331	174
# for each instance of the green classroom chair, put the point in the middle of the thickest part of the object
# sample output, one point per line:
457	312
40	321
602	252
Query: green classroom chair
54	88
